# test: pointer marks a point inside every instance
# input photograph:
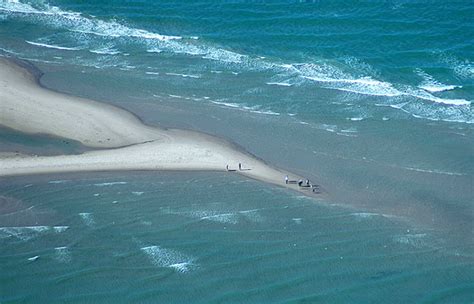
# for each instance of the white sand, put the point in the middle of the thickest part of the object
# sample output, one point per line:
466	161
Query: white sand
27	107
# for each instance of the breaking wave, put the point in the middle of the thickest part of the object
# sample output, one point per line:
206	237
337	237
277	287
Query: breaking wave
323	74
51	46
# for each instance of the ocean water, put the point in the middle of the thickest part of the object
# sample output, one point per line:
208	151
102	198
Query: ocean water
315	61
371	100
201	238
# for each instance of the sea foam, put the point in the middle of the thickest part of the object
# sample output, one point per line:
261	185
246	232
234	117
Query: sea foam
52	46
322	73
163	257
87	218
28	232
109	184
74	21
62	254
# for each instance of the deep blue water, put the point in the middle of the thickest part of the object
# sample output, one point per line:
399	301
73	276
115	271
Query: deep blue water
372	100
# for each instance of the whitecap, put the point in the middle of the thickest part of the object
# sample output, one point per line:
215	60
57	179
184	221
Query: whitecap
76	22
23	233
334	78
228	218
105	51
429	97
463	68
183	75
284	84
32	259
227	104
62	181
62	254
328	76
297	220
163	257
138	192
207	215
350	130
347	134
59	229
252	109
266	112
430	84
327	127
52	46
438	88
181	267
87	218
154	50
223	55
110	184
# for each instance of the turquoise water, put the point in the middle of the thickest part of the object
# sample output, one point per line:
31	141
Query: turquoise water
371	100
201	238
366	61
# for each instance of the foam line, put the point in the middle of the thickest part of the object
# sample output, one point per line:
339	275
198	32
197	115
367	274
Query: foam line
51	46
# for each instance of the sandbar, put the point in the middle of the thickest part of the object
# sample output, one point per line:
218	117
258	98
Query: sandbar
121	141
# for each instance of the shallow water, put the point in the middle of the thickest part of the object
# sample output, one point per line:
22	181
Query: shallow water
201	237
40	144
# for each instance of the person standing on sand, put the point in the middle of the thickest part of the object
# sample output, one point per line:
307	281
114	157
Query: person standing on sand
286	179
227	167
240	166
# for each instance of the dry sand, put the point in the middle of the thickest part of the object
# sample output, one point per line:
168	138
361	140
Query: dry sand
127	144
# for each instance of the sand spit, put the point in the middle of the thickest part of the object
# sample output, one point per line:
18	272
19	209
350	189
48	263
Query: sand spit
127	143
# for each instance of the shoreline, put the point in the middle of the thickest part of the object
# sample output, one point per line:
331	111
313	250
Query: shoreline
119	139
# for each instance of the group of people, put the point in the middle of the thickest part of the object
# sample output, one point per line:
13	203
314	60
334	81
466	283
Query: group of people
302	183
240	167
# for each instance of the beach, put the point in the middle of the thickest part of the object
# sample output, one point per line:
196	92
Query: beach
131	145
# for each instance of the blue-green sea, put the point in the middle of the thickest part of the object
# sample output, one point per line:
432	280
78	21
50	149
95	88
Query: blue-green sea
370	99
197	238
